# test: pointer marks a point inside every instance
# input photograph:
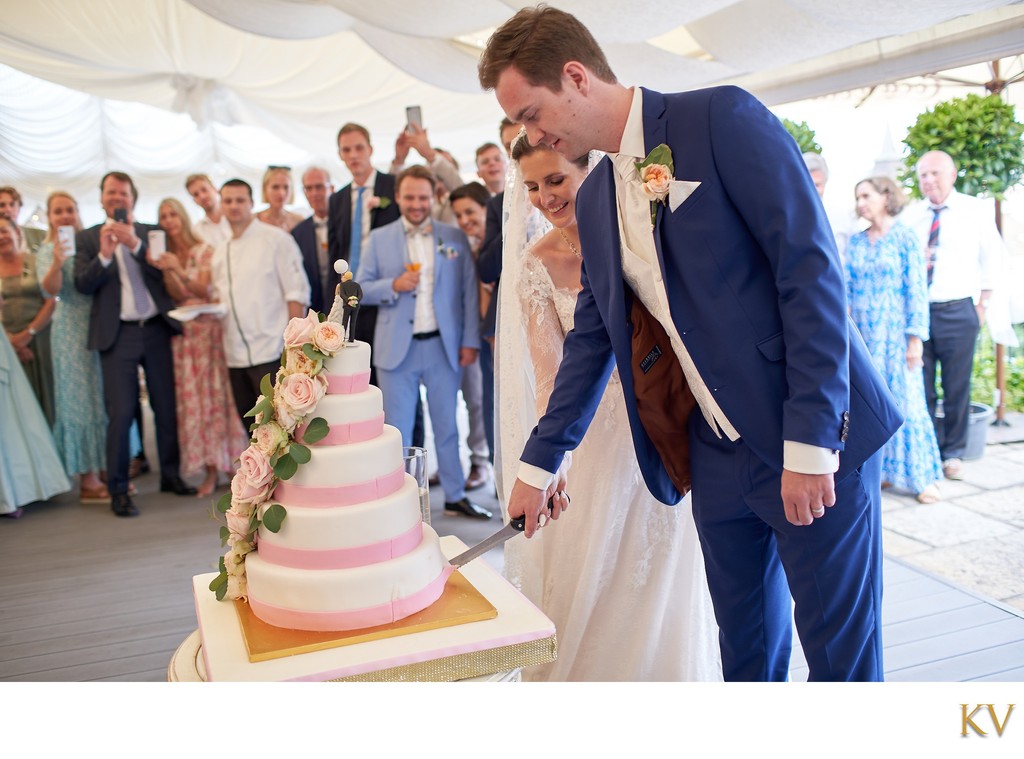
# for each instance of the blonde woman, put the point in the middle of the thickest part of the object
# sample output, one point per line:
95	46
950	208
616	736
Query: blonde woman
210	432
80	426
279	191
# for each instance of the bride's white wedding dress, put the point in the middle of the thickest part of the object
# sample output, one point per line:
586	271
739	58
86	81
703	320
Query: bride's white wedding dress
620	574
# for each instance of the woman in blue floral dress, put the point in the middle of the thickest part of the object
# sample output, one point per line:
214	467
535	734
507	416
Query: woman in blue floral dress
888	297
80	429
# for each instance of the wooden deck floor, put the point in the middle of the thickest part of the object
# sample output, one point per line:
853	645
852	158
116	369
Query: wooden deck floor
88	597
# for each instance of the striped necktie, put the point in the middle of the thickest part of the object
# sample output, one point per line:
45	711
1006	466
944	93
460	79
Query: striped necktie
933	240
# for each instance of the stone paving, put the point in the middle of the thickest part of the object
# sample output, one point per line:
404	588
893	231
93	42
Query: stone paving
974	536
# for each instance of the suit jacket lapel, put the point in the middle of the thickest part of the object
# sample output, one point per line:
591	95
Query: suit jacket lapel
655	130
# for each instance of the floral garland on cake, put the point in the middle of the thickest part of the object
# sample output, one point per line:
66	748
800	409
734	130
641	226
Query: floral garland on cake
275	452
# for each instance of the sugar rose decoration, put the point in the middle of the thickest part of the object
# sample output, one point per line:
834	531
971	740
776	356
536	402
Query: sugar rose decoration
276	450
656	175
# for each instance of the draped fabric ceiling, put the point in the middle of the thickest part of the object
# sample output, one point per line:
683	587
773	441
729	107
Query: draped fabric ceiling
163	88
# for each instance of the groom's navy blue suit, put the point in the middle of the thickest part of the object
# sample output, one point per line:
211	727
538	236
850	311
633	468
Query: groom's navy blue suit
756	293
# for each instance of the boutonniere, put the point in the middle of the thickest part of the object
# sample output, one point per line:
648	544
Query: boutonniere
376	201
447	251
656	176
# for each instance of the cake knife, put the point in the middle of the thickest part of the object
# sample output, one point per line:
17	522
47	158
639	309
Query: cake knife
513	528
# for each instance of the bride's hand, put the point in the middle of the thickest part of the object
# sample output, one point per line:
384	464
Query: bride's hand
526	500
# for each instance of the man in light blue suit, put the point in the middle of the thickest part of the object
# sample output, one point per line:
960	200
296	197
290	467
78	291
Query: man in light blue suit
730	251
420	274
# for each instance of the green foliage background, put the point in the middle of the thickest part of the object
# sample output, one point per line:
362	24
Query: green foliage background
803	135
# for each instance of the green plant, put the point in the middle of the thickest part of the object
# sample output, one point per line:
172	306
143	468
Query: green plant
803	135
982	136
983	375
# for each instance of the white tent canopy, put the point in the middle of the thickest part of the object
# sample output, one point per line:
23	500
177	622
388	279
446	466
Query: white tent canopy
234	86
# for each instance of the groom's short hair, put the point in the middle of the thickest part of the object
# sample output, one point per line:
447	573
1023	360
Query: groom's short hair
538	42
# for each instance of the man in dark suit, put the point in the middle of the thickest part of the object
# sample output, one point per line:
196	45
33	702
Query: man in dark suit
311	236
370	200
130	328
748	290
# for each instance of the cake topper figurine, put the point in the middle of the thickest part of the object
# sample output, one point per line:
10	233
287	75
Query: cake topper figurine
346	301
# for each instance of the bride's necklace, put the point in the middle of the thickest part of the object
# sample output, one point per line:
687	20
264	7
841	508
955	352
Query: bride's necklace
570	243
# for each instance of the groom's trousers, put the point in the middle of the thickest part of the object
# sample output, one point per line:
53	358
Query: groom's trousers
755	560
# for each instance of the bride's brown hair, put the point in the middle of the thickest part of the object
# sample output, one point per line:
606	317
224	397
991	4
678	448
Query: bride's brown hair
521	148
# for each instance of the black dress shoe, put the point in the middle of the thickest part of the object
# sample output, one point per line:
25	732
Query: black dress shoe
176	485
122	505
467	508
479	475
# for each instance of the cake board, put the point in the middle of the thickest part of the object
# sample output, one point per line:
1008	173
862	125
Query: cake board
520	635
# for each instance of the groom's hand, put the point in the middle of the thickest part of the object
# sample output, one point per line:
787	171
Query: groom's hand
806	496
531	502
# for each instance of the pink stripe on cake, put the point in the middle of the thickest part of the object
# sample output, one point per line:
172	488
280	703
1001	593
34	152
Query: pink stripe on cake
342	558
344	384
325	621
356	432
340	495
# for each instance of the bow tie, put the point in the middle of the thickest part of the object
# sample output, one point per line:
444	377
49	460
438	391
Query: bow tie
425	230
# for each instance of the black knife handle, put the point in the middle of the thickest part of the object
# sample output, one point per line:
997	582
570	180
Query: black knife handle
519	523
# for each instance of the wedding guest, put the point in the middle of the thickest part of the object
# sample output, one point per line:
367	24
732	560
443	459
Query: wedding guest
257	273
443	165
491	167
279	191
469	205
419	272
212	227
10	204
207	418
888	298
130	327
963	252
311	237
624	554
81	419
26	315
842	225
30	468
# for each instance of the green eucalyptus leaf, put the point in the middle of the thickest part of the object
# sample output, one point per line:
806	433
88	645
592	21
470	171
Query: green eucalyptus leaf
299	452
219	585
266	388
224	503
285	467
274	516
221	567
225	533
313	354
316	431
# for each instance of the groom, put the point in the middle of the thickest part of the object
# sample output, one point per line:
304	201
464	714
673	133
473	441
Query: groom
740	268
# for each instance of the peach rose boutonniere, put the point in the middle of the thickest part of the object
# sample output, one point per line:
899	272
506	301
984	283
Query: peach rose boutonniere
656	177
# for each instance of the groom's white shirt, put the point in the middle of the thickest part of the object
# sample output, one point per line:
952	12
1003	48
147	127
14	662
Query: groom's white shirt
641	271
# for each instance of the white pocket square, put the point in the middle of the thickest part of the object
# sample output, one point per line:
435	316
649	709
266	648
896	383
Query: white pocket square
678	191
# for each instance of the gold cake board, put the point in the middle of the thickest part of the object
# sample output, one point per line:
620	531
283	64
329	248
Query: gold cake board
456	641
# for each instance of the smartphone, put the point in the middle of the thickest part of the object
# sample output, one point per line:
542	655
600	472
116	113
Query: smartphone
121	215
66	235
413	115
157	243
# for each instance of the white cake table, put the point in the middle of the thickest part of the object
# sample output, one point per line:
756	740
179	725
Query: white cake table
492	649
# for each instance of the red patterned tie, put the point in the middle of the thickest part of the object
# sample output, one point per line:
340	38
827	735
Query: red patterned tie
933	240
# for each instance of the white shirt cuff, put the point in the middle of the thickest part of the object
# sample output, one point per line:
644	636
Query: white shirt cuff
534	476
808	459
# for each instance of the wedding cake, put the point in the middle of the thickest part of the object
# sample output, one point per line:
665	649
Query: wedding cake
323	530
353	551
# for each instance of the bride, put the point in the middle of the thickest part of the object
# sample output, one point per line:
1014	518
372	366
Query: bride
624	580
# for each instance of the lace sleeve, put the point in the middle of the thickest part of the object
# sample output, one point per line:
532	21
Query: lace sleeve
544	334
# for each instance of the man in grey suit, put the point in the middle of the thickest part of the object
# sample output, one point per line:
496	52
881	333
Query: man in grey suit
420	274
130	328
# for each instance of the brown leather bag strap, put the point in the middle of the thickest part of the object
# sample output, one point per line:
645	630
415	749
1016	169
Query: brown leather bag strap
663	397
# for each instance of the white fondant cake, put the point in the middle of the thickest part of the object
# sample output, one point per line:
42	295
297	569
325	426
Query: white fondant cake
352	551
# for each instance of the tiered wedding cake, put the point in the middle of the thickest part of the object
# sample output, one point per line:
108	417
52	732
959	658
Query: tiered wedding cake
353	550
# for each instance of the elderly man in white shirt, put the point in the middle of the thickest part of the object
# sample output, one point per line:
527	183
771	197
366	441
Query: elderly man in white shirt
963	253
257	273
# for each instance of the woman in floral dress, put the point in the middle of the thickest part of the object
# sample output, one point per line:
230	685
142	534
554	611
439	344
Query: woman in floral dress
80	428
888	297
210	432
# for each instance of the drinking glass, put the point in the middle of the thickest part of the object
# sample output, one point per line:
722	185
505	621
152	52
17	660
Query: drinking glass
415	459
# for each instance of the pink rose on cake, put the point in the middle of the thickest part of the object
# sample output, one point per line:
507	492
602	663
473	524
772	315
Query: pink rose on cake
329	337
297	362
238	517
300	330
284	413
300	393
269	438
255	467
242	491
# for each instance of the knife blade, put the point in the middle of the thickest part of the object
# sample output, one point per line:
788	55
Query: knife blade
513	528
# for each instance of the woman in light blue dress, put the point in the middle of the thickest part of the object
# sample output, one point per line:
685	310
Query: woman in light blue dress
81	421
30	469
888	297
